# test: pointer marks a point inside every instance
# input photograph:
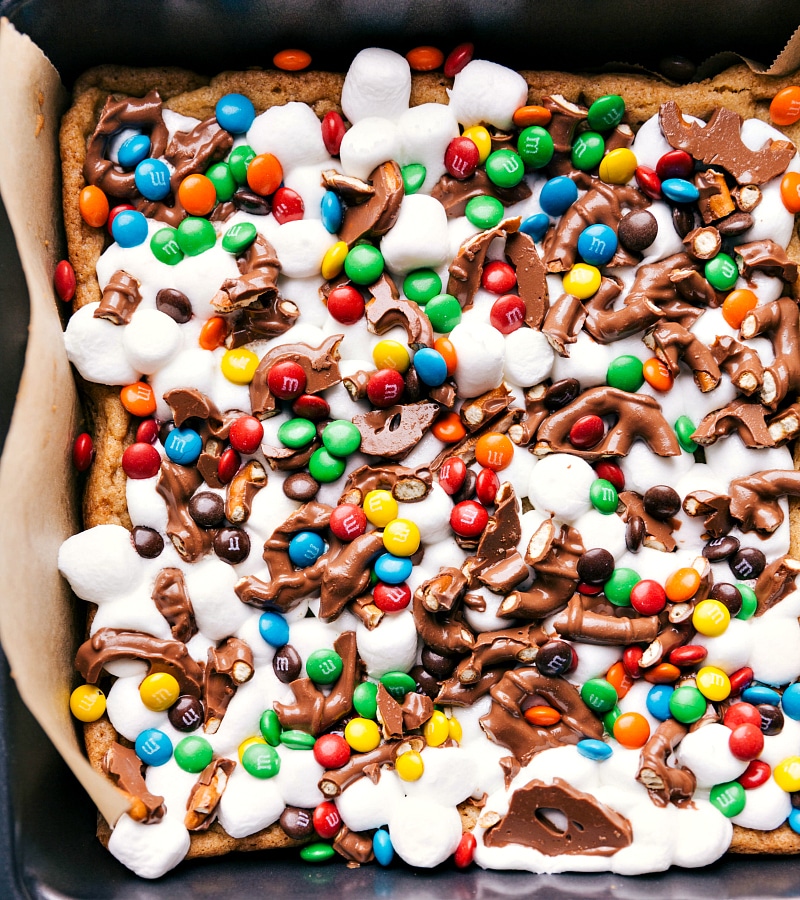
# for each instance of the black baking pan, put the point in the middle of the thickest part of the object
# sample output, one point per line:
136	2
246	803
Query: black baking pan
48	848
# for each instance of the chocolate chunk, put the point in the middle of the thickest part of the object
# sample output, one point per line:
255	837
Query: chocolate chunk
661	502
232	545
120	299
394	432
635	533
186	713
720	548
297	823
172	601
437	664
426	683
554	658
771	718
728	595
147	542
735	224
677	68
637	231
748	562
595	566
300	486
287	664
207	509
562	392
175	304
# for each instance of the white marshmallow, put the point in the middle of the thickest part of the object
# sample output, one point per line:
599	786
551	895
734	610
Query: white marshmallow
707	754
766	807
151	340
249	804
560	485
292	134
418	238
487	93
367	144
364	805
100	564
480	358
528	357
149	850
391	647
217	609
301	245
378	83
425	132
95	347
431	515
424	833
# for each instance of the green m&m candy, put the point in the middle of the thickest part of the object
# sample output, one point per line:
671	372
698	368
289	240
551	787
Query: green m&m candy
606	112
484	211
193	753
297	433
444	312
341	438
625	373
749	602
239	160
363	264
422	285
588	150
317	852
535	146
687	704
324	467
298	740
261	760
604	496
365	699
221	177
270	727
684	429
398	684
164	246
729	798
413	177
324	666
505	168
610	717
239	237
599	695
618	588
721	272
196	235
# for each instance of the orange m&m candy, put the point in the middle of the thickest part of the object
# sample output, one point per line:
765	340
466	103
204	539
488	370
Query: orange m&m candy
197	194
737	305
213	333
264	174
449	429
93	205
291	60
790	192
542	715
620	679
526	116
139	399
656	374
785	106
445	346
632	730
664	673
425	59
494	451
682	584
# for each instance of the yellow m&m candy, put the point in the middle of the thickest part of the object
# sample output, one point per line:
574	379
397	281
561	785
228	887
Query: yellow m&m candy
391	355
401	537
159	691
437	729
362	735
380	508
582	281
333	260
87	703
713	683
239	365
409	766
710	617
618	166
482	140
787	774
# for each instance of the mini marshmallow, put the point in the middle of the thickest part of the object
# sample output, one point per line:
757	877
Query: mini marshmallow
292	134
425	133
192	365
151	340
700	834
730	650
391	647
145	505
450	776
378	83
528	357
560	485
588	361
299	778
729	458
365	804
643	469
100	564
774	648
707	754
423	832
306	181
487	618
771	218
95	347
149	850
431	515
217	609
767	807
301	245
667	241
594	660
248	804
485	93
419	237
597	530
480	358
125	709
136	612
367	144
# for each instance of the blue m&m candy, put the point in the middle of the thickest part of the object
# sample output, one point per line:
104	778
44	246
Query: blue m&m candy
183	446
134	150
152	179
392	569
536	226
306	548
153	747
129	228
658	699
790	701
331	211
274	629
760	693
592	749
557	195
597	244
431	366
382	847
679	190
235	113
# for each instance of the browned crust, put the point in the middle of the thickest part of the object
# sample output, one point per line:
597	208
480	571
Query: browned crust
737	88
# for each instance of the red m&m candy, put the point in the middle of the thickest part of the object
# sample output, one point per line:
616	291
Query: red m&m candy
147	432
228	465
487	484
461	157
348	522
452	474
458	58
64	281
586	432
507	313
286	380
465	851
385	388
327	820
611	472
741	714
141	461
346	304
391	597
246	434
331	751
82	452
333	131
312	407
648	597
746	741
755	774
675	164
468	519
498	277
287	206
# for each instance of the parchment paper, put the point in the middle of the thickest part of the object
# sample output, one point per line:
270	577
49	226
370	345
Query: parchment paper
37	494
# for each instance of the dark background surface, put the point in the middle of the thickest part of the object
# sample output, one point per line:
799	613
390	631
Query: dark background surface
47	844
